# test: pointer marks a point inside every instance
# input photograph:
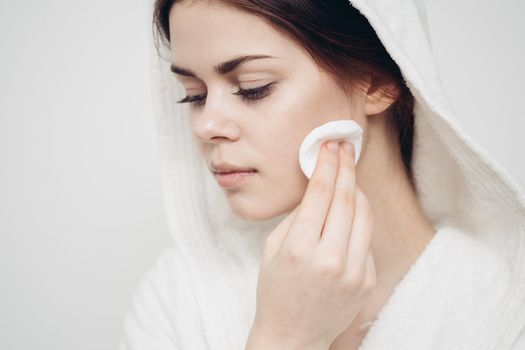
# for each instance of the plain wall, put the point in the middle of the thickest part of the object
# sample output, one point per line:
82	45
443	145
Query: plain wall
81	214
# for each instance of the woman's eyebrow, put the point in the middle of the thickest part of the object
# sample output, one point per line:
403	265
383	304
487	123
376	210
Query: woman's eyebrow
222	68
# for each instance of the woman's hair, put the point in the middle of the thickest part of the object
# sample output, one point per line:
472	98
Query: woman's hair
340	40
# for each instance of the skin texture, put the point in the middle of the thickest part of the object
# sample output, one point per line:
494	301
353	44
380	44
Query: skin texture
266	134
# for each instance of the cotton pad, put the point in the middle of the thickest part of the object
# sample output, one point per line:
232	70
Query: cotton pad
338	130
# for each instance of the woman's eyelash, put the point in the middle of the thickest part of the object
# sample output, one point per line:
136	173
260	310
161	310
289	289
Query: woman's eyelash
249	95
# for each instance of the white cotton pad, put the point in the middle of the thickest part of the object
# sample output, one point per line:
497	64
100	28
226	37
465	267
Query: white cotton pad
347	130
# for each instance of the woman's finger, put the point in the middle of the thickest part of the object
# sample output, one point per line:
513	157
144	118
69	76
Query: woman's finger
275	238
360	238
370	278
338	225
311	215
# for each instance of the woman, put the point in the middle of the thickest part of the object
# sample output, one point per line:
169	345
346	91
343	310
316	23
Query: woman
419	245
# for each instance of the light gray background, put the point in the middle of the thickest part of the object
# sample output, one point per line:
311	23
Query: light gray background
81	215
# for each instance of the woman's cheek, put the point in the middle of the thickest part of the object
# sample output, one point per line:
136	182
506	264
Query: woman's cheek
289	176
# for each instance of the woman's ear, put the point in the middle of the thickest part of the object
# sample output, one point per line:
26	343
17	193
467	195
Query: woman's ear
379	97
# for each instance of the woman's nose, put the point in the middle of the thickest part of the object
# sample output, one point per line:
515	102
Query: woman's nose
213	125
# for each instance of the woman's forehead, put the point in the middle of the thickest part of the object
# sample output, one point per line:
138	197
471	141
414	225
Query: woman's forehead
223	28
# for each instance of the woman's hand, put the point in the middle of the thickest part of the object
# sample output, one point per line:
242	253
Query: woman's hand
317	268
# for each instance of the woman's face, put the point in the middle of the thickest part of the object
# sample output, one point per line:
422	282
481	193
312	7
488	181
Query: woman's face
264	134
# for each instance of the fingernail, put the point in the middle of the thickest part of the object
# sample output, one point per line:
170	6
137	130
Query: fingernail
333	146
348	147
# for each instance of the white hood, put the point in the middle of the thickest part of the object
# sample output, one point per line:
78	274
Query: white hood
457	184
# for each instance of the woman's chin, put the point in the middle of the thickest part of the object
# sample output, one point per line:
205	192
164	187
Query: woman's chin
253	213
252	210
266	200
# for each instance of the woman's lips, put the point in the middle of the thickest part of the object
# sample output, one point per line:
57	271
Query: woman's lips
234	178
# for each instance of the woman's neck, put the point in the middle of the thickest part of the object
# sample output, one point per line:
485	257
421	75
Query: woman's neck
401	231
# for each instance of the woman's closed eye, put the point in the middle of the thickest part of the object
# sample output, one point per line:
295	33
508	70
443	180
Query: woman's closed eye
248	95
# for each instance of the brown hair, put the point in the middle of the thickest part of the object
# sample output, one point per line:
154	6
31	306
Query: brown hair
340	40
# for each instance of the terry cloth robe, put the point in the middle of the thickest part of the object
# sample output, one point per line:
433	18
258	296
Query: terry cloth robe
466	291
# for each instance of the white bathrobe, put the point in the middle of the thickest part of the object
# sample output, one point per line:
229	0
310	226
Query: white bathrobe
465	291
